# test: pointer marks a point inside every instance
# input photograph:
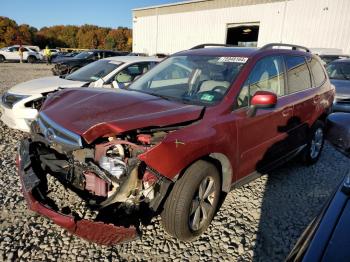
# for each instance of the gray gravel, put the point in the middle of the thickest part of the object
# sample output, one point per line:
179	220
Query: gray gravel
258	222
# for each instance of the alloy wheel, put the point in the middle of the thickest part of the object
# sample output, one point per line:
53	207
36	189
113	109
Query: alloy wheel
316	143
202	204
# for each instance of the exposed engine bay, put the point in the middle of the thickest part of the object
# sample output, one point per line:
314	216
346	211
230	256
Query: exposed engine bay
107	175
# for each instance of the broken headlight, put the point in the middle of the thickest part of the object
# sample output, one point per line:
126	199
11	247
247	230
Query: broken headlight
8	99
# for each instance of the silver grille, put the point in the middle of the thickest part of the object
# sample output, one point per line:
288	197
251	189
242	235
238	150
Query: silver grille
56	133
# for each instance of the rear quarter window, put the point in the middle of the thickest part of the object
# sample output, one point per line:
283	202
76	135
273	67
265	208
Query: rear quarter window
298	74
317	72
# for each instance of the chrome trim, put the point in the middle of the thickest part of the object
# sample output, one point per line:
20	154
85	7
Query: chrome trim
53	132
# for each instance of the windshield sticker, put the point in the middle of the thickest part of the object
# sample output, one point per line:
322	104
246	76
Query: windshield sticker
94	78
207	97
233	59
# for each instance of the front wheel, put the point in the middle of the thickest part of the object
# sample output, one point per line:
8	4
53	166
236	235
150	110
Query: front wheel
192	203
31	59
2	59
313	149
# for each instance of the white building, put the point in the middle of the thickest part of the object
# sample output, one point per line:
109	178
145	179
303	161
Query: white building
174	27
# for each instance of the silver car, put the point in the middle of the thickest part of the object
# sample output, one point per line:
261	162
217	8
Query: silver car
339	74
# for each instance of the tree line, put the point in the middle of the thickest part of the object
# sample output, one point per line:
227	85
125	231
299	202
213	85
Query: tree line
85	36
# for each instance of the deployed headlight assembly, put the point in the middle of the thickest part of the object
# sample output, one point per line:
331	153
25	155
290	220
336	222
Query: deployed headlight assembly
8	99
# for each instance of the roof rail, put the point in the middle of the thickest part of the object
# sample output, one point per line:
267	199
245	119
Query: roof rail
294	47
204	45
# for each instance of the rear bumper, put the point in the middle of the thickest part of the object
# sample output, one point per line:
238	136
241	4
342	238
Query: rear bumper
94	231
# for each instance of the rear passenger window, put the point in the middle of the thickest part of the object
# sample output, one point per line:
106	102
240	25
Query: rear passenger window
267	75
298	74
317	72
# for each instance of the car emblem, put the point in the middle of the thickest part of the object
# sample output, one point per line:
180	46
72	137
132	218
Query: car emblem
50	134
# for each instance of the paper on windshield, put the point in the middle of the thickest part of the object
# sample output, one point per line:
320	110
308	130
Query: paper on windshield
233	59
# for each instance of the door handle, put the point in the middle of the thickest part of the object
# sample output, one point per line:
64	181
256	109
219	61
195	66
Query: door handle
287	111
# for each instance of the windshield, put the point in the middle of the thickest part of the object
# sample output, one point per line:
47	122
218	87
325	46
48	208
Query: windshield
93	71
191	79
83	55
339	70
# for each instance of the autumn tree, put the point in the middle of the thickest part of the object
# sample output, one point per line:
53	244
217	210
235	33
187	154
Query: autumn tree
85	36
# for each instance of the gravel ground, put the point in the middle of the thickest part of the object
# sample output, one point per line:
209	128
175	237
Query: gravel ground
258	222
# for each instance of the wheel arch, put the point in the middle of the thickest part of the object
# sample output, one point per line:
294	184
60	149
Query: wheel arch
222	163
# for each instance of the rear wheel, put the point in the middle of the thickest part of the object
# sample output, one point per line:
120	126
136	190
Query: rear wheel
192	203
31	59
312	151
2	59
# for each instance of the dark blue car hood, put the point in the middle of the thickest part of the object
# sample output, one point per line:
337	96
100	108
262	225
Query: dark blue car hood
342	87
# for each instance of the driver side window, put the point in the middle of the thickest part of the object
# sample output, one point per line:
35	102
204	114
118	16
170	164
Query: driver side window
267	75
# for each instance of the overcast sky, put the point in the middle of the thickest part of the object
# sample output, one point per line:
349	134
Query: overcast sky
109	13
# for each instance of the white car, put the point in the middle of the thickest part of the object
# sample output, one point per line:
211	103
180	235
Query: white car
53	52
11	54
20	104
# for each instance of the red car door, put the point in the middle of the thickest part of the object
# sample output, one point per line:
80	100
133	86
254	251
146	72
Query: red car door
306	98
262	138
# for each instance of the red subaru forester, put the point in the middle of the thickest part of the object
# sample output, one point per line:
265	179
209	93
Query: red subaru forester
200	123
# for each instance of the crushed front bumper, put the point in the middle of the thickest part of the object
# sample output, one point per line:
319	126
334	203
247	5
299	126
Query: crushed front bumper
94	231
60	69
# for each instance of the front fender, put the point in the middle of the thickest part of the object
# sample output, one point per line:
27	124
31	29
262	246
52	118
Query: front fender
181	148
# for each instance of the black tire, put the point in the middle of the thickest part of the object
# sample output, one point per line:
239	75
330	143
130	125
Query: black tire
176	216
31	59
313	149
73	69
2	59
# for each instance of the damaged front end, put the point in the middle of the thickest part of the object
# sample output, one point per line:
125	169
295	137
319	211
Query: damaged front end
119	189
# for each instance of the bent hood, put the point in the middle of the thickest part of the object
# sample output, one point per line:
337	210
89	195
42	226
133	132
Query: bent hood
93	113
43	85
342	88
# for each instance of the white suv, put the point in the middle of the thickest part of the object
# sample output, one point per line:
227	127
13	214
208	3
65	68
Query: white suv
19	106
11	54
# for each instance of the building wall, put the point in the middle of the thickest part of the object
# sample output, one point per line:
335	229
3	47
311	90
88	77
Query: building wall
313	23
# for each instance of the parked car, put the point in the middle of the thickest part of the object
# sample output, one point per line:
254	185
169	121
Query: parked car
327	237
53	52
137	54
70	64
61	56
329	55
339	74
11	54
200	123
20	104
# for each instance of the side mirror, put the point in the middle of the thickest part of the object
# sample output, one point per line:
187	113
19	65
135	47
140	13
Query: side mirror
262	100
115	84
